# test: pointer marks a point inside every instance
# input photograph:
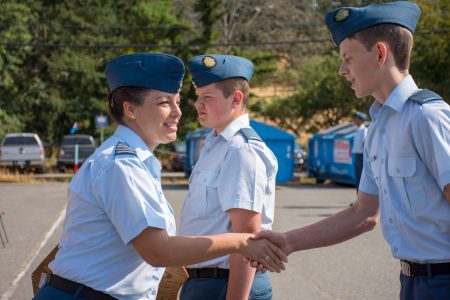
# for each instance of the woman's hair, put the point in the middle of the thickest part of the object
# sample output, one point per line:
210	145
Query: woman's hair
399	39
231	85
132	94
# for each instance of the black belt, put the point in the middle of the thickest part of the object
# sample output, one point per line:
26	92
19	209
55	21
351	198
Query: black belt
208	273
429	270
71	287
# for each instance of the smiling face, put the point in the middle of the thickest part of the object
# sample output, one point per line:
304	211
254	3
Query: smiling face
214	110
156	119
359	66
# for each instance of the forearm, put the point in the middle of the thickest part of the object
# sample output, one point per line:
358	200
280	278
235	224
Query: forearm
340	227
241	278
181	250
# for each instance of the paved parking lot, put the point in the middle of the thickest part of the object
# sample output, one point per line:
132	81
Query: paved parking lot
358	269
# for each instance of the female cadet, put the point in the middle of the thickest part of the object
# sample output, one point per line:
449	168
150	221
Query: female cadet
119	228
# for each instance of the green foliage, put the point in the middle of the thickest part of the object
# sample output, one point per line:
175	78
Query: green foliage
323	99
8	124
430	62
53	55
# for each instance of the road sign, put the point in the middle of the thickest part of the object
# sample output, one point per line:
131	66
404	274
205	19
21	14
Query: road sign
101	121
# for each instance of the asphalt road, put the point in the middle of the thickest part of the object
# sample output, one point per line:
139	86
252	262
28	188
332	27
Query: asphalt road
358	269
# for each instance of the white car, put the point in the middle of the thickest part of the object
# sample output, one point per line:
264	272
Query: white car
22	150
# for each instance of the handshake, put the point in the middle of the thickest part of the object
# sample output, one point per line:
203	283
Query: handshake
267	251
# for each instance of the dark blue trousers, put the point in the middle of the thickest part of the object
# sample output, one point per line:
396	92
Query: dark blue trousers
425	288
358	168
216	289
48	292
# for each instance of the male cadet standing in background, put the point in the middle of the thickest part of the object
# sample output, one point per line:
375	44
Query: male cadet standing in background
358	144
232	186
406	172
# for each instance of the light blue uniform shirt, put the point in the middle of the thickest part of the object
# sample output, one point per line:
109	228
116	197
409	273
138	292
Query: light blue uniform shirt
407	164
112	199
232	172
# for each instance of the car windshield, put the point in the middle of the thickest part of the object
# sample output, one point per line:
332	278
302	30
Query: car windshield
79	141
20	140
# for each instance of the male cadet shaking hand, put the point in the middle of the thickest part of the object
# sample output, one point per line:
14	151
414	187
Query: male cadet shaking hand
406	174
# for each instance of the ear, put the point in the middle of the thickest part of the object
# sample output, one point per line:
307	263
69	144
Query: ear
238	98
129	110
382	52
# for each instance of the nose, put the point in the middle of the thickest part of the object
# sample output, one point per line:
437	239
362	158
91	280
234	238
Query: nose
343	70
176	111
198	103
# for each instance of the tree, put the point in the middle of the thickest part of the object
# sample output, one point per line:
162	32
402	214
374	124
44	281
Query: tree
322	99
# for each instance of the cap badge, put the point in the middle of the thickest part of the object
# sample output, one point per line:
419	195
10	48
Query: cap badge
209	62
341	14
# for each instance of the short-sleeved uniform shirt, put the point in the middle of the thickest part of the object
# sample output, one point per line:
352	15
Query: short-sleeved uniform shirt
114	196
232	172
407	164
358	141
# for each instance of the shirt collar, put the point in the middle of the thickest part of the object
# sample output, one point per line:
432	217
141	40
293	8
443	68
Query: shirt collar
401	93
397	98
134	141
235	126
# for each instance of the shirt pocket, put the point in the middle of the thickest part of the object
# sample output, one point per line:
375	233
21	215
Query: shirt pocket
403	170
205	199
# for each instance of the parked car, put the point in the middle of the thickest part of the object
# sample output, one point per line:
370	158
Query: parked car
177	158
300	157
23	151
66	154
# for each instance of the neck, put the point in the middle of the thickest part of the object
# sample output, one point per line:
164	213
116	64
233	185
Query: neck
233	117
391	80
132	125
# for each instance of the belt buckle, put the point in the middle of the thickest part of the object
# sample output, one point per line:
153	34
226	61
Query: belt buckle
406	268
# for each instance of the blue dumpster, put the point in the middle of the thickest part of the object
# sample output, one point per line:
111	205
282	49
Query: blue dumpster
280	142
330	154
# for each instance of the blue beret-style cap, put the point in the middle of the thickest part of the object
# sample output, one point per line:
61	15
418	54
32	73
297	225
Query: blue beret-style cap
360	115
157	71
345	21
210	68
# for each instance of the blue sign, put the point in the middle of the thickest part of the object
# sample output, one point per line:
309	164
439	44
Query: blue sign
101	121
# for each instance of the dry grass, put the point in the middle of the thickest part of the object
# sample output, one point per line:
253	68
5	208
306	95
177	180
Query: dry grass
15	177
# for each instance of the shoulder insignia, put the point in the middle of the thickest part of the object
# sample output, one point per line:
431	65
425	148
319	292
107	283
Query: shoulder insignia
424	95
122	148
250	134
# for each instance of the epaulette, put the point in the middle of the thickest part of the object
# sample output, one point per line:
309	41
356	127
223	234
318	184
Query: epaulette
122	148
250	134
424	95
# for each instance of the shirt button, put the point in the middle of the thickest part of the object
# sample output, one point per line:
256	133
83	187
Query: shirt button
204	180
397	170
385	191
390	220
189	194
382	160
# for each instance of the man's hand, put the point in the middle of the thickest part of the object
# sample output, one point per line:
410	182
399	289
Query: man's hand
277	238
265	253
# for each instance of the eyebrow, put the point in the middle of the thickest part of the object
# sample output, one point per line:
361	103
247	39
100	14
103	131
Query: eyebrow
204	94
